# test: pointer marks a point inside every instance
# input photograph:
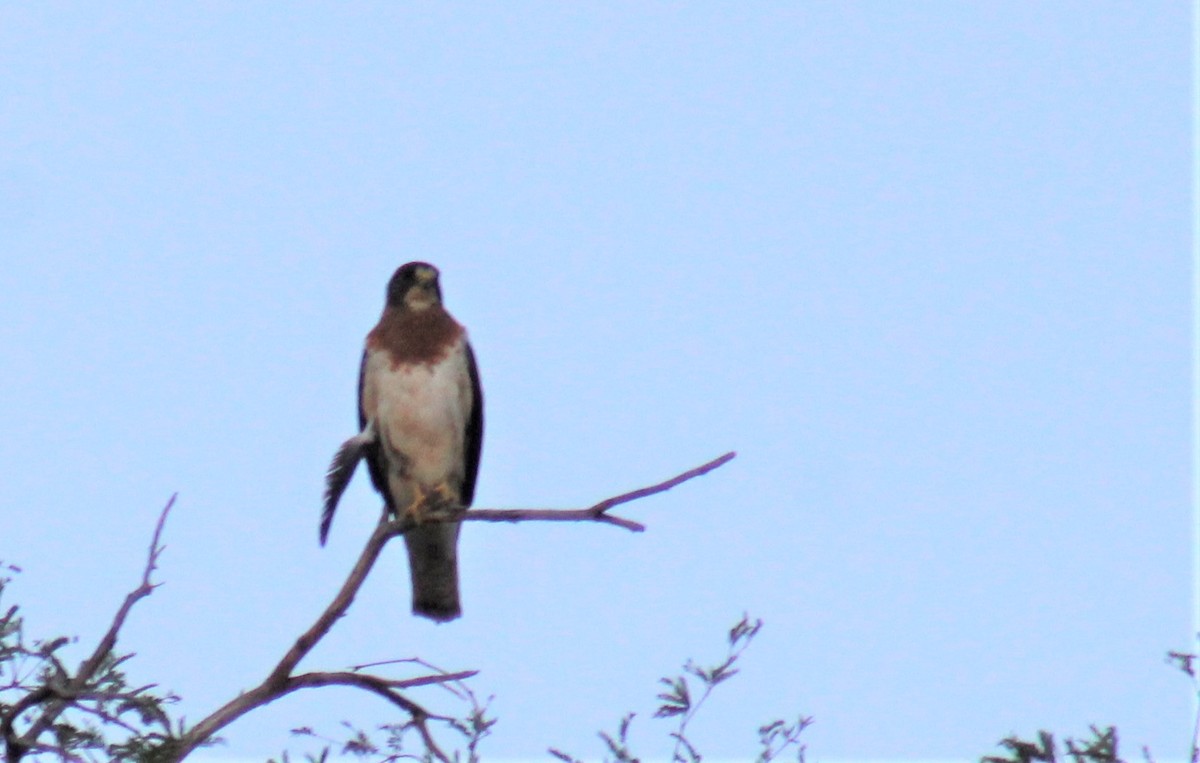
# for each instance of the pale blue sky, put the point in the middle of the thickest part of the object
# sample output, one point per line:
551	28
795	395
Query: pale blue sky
924	265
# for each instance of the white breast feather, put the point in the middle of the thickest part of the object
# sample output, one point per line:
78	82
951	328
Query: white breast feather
421	413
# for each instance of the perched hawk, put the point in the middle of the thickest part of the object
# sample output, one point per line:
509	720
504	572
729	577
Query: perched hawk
420	411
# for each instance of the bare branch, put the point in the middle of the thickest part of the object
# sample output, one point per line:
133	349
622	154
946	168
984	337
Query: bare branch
281	681
276	684
14	745
58	699
549	515
599	511
264	694
373	684
634	495
341	677
383	688
408	683
63	754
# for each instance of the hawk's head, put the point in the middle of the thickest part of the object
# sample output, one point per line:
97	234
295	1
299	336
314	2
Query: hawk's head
414	287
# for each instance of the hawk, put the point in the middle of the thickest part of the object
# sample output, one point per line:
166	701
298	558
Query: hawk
420	415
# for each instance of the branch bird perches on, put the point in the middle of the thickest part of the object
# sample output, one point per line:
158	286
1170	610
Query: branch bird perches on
47	703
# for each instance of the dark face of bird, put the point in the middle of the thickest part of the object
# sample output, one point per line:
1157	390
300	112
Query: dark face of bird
414	287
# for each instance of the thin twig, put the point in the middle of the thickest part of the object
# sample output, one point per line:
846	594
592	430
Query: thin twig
407	683
58	699
381	663
599	511
634	495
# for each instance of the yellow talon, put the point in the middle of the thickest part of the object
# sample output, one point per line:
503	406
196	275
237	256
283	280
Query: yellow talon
427	501
415	508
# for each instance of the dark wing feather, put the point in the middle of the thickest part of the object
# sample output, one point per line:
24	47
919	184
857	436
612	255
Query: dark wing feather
339	474
363	445
473	439
372	452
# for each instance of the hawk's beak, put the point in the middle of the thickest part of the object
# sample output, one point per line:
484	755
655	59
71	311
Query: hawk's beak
424	291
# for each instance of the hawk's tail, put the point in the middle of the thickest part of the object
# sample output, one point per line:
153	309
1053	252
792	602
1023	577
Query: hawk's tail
433	562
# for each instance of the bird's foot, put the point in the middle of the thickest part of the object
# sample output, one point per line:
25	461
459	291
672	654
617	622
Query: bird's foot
437	502
440	501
